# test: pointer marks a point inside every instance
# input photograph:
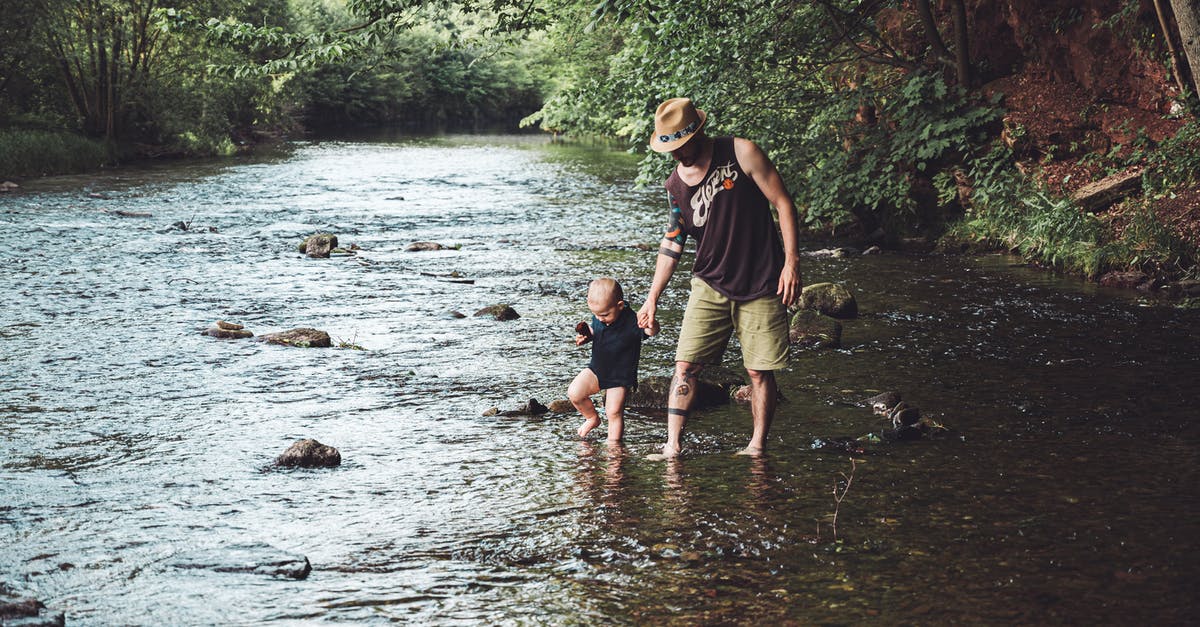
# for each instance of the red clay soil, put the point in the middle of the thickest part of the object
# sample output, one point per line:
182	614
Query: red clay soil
1060	133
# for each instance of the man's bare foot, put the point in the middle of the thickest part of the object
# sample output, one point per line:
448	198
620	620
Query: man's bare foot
750	451
668	452
588	425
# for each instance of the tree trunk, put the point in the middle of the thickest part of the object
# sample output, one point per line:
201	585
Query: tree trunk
962	55
925	11
1187	17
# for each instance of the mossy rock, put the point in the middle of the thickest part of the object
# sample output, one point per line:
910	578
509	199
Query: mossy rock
301	337
812	328
831	299
501	312
713	389
319	245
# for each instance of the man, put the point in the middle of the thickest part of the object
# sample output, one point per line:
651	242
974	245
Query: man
721	193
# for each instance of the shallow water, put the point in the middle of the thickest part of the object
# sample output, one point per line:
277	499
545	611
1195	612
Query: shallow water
1063	488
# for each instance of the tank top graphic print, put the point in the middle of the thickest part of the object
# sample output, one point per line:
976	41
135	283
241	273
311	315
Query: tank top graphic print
738	251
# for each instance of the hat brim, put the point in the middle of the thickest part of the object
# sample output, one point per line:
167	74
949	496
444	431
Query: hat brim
658	146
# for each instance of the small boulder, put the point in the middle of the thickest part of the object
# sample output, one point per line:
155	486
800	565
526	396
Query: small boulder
1125	280
423	246
254	559
18	609
319	245
531	408
302	337
883	402
228	330
501	312
831	299
561	406
711	390
1186	287
309	453
811	328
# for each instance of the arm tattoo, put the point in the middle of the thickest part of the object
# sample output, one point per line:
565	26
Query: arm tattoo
669	253
675	231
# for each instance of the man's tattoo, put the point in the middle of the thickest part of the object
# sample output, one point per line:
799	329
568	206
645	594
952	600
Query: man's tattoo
669	253
677	412
683	389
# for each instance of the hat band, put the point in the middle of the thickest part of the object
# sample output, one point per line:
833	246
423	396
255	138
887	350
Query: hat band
681	133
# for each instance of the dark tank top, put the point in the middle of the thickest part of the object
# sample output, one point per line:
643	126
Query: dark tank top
738	251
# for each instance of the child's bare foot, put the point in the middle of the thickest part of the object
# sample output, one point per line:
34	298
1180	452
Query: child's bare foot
588	425
750	451
668	452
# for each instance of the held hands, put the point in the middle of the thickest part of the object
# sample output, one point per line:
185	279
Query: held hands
790	284
645	315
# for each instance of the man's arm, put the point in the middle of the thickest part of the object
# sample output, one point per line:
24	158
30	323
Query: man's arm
756	164
669	253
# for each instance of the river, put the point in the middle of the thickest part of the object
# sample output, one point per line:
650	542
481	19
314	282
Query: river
136	454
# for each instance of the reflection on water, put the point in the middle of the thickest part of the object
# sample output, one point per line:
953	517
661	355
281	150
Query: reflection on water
1063	490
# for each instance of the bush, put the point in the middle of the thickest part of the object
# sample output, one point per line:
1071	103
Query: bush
25	153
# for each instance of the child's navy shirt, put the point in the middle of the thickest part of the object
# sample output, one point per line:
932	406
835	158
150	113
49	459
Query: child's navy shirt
616	349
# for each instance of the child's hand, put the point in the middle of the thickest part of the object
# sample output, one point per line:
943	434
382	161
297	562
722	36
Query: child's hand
583	333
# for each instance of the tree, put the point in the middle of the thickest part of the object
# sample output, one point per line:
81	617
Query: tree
104	50
1187	17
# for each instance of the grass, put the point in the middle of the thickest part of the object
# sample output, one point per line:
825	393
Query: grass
26	153
1017	213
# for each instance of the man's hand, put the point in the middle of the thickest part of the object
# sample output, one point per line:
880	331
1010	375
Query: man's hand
646	315
790	284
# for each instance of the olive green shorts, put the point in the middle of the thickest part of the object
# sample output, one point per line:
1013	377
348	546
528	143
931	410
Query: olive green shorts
710	319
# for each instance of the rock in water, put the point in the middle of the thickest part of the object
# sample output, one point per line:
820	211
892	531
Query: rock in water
255	559
228	330
309	453
319	245
421	246
18	609
812	328
500	312
561	406
883	403
302	337
831	299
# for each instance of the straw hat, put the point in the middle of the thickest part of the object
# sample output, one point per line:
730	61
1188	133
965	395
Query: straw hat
675	122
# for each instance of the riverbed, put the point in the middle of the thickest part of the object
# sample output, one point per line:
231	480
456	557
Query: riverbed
1060	485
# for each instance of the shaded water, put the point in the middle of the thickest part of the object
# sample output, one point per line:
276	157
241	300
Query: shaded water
1063	491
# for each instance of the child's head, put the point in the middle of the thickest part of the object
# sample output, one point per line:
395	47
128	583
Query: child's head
606	299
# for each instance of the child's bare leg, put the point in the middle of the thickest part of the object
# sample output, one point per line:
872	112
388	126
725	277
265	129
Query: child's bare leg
580	394
614	410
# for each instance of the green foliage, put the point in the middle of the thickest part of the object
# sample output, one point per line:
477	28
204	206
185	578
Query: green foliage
1175	163
26	153
1013	211
922	127
776	73
422	77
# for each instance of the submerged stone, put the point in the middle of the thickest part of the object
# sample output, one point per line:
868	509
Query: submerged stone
303	337
831	299
812	328
319	245
19	609
309	453
254	559
501	312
